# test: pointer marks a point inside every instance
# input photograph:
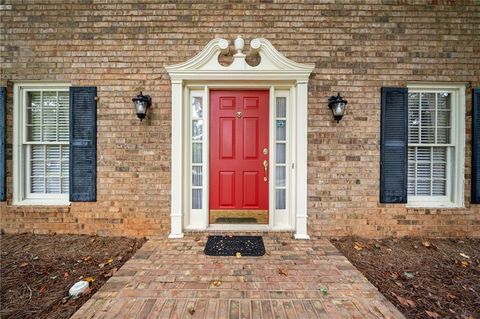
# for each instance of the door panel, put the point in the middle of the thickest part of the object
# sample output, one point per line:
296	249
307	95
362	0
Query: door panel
227	138
238	136
250	138
227	184
251	183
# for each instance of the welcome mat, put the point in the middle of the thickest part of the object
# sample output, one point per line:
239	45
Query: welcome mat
231	245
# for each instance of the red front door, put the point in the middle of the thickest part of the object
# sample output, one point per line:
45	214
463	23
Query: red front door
239	156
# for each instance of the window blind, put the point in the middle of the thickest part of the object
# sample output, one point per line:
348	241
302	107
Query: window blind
46	144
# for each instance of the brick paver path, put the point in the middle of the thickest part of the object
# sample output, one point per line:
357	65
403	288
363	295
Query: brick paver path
174	279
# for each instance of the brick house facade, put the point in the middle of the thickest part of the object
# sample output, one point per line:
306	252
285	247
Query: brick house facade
122	48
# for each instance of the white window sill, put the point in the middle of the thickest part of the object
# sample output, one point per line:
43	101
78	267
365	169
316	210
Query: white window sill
433	205
42	202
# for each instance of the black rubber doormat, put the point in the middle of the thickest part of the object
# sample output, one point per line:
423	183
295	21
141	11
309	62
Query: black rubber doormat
231	245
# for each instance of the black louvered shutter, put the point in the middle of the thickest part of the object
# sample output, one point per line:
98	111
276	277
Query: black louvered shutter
394	145
476	146
83	144
3	144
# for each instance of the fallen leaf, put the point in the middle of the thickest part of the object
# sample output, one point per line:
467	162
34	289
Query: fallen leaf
449	295
54	277
92	240
282	271
66	274
35	258
432	314
238	255
415	246
426	243
404	301
408	274
23	265
465	263
110	261
90	280
464	256
101	265
377	246
394	275
65	299
87	258
216	283
191	310
358	246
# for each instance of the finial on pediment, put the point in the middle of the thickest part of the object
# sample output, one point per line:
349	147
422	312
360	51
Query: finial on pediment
239	45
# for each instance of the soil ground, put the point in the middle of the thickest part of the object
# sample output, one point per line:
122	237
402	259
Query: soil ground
424	278
38	270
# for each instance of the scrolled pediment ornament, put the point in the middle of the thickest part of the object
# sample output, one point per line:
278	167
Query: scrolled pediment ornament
271	61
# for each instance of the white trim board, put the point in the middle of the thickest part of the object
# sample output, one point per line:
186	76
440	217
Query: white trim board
203	72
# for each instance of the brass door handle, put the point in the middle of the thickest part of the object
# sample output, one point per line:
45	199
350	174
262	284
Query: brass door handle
265	168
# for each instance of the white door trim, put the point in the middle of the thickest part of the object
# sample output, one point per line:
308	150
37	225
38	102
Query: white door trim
204	72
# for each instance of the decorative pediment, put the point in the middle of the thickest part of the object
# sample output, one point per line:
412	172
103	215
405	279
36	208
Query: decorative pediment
206	66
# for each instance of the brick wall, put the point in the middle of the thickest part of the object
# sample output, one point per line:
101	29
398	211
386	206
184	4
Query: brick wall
122	47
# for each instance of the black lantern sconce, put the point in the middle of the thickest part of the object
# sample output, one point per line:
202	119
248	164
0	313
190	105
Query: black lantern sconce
142	103
338	106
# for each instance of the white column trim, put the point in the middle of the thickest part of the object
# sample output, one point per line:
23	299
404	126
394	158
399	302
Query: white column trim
177	161
301	161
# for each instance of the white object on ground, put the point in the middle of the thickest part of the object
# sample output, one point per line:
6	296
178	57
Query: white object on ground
78	288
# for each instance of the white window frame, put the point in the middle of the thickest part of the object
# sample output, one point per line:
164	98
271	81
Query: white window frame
455	187
21	195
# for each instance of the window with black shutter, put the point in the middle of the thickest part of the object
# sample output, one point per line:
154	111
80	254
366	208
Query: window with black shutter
422	154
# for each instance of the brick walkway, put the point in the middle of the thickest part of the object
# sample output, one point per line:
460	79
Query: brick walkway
174	279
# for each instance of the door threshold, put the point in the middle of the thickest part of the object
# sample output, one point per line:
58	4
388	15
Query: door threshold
240	227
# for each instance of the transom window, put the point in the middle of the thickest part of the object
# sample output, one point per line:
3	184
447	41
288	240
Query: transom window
43	148
434	134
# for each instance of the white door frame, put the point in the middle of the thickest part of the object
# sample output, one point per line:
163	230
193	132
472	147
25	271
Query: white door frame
202	73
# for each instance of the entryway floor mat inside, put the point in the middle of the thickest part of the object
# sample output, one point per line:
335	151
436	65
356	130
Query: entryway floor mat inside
231	245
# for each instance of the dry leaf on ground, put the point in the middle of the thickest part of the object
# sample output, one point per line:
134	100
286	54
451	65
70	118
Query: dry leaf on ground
282	271
432	314
358	246
404	301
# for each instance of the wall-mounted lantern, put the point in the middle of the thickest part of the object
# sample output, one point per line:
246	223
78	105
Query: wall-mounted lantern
142	103
338	106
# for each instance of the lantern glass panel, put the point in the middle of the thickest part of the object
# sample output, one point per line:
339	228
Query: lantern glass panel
141	107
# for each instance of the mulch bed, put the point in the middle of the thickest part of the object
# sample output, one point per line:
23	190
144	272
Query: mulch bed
424	278
38	270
